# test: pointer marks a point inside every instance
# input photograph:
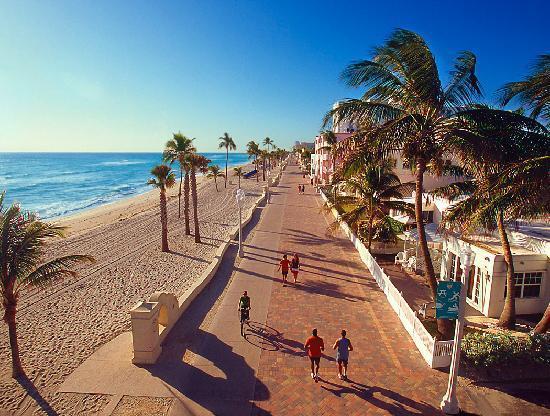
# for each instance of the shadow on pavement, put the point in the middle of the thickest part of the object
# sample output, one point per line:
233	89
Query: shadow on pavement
396	404
218	379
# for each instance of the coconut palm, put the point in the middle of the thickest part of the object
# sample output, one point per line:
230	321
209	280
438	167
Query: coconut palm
378	190
214	172
268	142
534	91
238	171
489	143
22	248
178	149
227	143
264	155
163	178
405	108
197	163
253	150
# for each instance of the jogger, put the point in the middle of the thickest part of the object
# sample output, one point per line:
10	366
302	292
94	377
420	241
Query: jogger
284	265
295	266
343	347
314	346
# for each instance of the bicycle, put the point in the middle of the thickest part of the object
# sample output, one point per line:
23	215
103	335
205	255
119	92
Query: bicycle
244	317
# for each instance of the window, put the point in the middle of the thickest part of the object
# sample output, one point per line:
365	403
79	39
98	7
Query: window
455	272
527	285
480	275
452	269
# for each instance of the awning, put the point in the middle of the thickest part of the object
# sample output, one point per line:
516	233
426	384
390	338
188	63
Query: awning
404	219
432	235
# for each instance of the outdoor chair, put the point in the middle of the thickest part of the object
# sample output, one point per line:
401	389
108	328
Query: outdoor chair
411	264
400	258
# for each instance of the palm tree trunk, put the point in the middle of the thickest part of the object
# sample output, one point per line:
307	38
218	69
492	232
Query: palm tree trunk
216	183
256	163
239	177
508	316
371	219
9	318
544	323
444	326
179	193
186	202
263	169
195	206
164	220
226	161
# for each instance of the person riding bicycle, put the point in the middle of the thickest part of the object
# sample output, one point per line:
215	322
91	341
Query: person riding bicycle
244	307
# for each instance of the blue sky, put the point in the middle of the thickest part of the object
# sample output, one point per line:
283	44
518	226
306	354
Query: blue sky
124	75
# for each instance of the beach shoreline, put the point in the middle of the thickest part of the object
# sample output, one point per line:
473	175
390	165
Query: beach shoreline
122	209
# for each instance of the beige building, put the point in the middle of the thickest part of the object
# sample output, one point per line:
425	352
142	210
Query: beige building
486	284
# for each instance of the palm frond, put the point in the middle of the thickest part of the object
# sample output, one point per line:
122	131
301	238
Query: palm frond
361	111
464	87
47	273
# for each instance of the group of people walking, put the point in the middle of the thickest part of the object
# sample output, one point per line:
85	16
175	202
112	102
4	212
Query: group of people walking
293	265
301	188
315	346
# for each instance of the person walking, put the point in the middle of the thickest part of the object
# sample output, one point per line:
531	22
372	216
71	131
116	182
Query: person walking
284	265
295	267
343	347
314	346
299	188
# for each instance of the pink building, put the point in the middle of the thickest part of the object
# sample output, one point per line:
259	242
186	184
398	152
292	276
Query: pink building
321	159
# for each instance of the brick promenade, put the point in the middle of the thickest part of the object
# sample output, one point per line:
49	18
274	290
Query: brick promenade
212	370
387	375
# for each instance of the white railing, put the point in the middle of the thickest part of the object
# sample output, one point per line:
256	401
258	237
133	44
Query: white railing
436	353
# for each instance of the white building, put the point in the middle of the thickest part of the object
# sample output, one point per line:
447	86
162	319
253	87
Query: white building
486	284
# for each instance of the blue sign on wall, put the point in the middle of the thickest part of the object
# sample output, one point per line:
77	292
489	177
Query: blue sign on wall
448	299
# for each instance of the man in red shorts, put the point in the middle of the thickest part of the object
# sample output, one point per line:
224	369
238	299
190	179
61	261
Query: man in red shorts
314	346
284	265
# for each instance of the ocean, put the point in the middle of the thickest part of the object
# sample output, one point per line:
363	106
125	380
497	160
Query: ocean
56	184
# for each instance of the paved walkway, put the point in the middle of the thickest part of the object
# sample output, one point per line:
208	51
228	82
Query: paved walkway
213	370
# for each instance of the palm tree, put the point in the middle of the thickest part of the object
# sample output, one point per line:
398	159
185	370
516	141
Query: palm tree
163	178
238	171
534	91
268	142
23	242
227	143
374	185
253	150
214	172
405	108
200	163
263	156
179	149
489	143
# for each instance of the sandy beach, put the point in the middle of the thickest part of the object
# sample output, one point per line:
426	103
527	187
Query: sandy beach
61	326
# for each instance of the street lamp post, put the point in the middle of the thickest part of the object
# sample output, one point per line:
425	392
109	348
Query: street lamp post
449	403
239	196
267	198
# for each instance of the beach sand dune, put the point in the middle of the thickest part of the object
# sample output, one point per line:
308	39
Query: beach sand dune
61	326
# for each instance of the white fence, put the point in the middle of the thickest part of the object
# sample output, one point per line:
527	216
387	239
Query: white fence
436	353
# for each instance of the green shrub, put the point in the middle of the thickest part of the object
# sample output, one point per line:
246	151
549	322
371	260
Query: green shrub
489	349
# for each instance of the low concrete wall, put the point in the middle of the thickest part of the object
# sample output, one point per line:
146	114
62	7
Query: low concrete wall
152	320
